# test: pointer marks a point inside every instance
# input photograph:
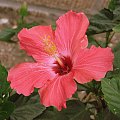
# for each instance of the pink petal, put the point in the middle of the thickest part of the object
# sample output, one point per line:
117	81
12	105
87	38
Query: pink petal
84	42
24	77
31	40
92	64
56	92
70	32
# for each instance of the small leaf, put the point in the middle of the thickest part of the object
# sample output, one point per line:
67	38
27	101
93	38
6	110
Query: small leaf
3	73
25	25
112	4
7	34
4	85
116	28
111	91
29	25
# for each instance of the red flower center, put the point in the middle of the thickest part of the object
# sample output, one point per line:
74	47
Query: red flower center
65	67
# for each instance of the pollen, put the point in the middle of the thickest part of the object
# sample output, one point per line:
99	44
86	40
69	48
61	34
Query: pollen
49	46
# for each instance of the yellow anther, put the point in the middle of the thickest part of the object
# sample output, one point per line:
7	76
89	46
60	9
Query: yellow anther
49	46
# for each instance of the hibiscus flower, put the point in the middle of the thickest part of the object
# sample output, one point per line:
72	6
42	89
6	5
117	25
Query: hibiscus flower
62	57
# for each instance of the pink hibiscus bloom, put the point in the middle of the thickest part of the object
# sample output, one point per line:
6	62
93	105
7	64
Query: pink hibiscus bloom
61	58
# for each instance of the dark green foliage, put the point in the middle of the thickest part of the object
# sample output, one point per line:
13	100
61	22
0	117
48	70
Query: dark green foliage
112	4
76	110
101	22
117	59
116	28
105	114
4	85
105	19
111	91
6	109
27	108
7	34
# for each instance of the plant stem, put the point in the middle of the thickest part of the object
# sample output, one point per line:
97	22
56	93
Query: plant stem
107	38
111	36
97	43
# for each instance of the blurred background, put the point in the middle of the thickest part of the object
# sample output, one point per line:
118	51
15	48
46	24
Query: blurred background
43	12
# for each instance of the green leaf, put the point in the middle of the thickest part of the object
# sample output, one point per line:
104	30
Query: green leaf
7	34
112	4
101	22
29	25
4	85
2	115
116	28
3	73
116	11
25	25
6	109
112	74
105	19
111	91
27	108
75	111
116	70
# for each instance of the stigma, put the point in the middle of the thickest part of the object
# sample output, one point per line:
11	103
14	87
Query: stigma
63	65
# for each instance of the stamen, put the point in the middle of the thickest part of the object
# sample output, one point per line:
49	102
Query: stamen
49	46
